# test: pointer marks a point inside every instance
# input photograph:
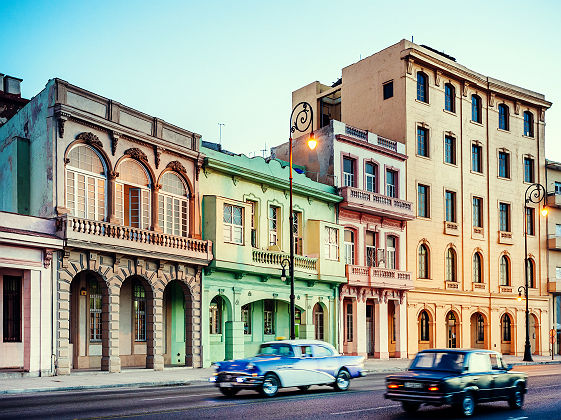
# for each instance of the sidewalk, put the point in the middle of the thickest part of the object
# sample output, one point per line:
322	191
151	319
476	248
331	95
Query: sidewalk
130	378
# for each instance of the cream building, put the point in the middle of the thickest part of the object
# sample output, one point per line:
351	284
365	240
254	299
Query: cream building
474	145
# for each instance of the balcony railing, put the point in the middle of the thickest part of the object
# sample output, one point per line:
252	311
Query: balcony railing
378	277
378	204
387	143
95	234
356	132
275	258
554	242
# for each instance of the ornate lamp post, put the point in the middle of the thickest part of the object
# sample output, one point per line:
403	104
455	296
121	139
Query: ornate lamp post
535	193
301	118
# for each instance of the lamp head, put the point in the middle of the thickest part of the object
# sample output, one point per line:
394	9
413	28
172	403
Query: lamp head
312	142
544	211
519	298
283	274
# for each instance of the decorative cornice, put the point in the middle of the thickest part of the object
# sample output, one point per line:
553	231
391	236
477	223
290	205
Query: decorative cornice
136	153
157	153
177	166
90	138
114	141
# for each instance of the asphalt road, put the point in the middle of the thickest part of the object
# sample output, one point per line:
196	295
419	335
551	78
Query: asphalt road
364	400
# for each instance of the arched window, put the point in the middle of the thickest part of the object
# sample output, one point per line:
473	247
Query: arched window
95	297
215	312
477	269
449	97
424	325
451	327
505	328
530	272
450	265
132	195
422	87
139	302
503	117
504	271
423	262
318	321
85	183
528	124
480	328
173	206
476	108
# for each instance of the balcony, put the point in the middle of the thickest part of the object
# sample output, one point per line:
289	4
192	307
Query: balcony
378	277
505	238
377	204
274	259
104	236
554	200
554	285
554	242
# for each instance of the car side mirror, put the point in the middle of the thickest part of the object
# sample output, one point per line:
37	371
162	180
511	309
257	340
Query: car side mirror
509	367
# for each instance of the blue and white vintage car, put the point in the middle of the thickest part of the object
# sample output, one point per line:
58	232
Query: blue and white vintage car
288	363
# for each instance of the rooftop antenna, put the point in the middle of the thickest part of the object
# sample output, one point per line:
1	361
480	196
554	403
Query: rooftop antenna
264	150
220	138
412	39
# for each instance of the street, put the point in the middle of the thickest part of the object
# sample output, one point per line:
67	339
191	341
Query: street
364	400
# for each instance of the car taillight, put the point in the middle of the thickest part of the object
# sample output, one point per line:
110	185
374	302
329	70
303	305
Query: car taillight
433	388
393	385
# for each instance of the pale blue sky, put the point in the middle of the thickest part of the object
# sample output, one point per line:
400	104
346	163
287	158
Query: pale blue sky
197	64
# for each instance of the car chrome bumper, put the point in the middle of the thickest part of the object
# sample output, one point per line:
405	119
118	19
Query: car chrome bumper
237	381
425	399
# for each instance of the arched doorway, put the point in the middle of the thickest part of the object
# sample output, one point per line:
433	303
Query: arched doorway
534	334
89	296
425	330
391	328
220	344
135	319
177	310
478	331
319	322
507	336
452	330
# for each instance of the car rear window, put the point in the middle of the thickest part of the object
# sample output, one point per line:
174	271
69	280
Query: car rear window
276	349
447	361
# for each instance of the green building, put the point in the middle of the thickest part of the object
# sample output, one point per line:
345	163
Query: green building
245	208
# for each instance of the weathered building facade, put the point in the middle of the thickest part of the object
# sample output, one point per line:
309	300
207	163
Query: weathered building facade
123	187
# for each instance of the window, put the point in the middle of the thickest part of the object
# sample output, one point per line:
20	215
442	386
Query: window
422	87
85	183
451	265
348	172
322	351
246	319
268	317
370	239
558	272
349	321
449	98
477	269
391	252
529	220
528	124
450	150
132	195
423	262
297	230
425	331
505	324
139	303
95	310
423	200
504	217
388	89
477	212
504	165
503	117
173	205
480	329
318	321
528	170
476	109
349	247
422	141
12	312
233	224
215	311
479	363
273	226
476	158
331	243
450	198
391	183
254	219
371	171
530	273
557	187
504	271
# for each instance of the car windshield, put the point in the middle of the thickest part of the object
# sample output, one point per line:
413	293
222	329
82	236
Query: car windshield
447	361
276	349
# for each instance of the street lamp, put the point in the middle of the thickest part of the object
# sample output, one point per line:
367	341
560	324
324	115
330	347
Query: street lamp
303	117
535	193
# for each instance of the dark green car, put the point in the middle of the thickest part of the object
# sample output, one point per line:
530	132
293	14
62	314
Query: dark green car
461	378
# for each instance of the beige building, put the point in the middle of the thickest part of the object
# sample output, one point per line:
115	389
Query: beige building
474	145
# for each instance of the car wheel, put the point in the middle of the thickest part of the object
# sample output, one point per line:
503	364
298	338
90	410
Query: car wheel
467	404
229	392
410	407
342	381
270	385
304	388
516	400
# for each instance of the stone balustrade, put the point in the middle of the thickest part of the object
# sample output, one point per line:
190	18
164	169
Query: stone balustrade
378	277
275	259
378	204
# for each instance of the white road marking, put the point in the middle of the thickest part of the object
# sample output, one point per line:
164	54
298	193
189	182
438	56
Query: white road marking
517	418
366	409
176	396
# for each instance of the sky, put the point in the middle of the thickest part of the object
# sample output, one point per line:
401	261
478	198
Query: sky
198	64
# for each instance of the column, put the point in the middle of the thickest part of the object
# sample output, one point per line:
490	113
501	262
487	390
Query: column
401	326
63	356
381	330
155	332
360	322
195	346
465	329
440	328
155	204
412	333
234	336
111	198
110	360
494	330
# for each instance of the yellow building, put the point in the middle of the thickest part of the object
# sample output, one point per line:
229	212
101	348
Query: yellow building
474	145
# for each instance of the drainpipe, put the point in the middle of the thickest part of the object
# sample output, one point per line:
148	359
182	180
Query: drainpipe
488	215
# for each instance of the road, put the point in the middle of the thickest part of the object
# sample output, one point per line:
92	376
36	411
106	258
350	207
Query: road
364	400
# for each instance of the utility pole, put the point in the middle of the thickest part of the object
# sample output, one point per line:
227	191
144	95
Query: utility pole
220	138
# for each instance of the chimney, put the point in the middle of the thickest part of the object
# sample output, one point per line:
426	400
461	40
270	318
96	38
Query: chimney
10	97
12	85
